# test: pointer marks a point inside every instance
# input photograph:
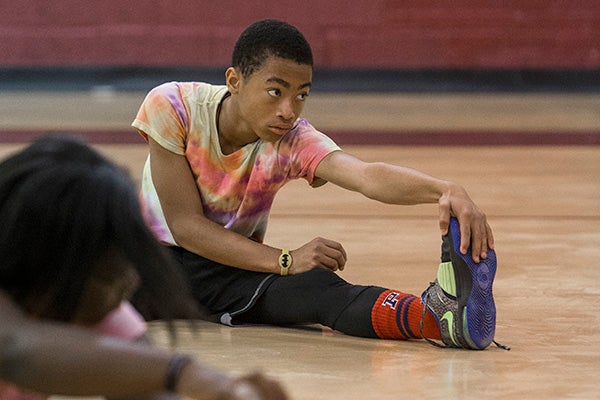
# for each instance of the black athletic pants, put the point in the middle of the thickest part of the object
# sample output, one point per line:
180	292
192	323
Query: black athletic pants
317	296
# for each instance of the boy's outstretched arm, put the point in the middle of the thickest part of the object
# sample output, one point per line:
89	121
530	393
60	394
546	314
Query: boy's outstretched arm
400	185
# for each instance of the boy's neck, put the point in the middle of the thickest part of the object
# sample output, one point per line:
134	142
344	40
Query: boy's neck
229	138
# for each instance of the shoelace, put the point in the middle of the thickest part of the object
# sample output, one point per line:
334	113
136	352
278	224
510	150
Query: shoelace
433	342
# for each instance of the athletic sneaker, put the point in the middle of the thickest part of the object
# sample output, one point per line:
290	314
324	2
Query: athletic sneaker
461	297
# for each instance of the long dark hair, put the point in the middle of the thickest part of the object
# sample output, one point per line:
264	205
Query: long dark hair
63	206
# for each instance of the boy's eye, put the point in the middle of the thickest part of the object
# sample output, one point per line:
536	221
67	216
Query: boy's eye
274	92
302	96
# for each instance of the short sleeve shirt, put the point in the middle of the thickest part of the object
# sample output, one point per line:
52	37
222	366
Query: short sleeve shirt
236	190
124	322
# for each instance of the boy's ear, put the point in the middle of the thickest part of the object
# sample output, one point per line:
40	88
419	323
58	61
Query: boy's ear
232	79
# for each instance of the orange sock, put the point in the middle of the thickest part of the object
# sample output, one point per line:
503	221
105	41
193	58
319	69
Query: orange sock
396	315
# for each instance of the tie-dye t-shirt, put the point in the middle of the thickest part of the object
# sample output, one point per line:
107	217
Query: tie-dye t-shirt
237	190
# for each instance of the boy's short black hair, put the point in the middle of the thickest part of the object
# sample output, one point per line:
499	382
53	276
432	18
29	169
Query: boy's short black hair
269	38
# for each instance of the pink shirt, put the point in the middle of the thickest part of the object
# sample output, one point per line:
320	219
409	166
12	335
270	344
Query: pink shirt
124	322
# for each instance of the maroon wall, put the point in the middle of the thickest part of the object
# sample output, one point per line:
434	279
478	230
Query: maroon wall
355	33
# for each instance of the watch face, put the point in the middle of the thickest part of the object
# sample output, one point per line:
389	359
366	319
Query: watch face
284	261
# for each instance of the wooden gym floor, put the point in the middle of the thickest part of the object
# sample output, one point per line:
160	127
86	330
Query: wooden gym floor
542	196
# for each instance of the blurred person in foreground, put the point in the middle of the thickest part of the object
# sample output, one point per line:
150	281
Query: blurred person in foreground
73	249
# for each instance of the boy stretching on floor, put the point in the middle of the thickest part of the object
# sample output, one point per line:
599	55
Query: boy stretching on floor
219	154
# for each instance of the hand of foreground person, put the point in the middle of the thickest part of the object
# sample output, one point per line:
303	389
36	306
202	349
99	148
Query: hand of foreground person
197	382
259	387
